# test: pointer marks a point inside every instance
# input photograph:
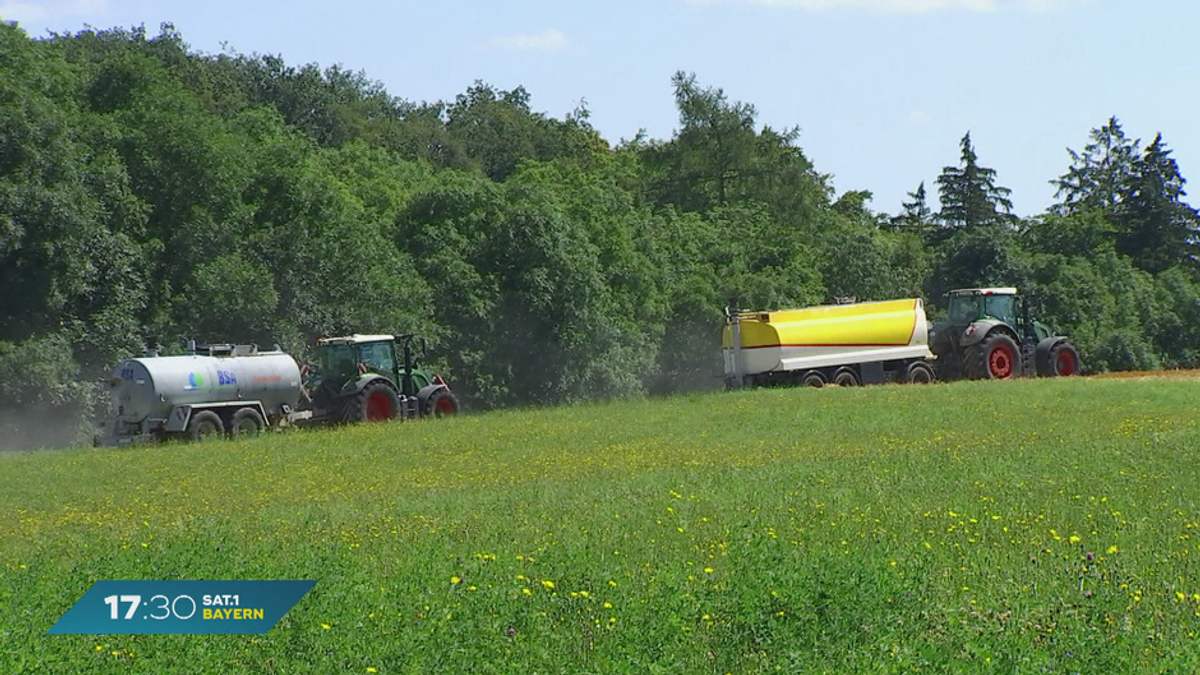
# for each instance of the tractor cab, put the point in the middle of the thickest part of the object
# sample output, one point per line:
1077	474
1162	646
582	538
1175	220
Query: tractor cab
970	305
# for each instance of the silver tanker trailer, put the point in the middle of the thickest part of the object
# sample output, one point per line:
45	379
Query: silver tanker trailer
222	388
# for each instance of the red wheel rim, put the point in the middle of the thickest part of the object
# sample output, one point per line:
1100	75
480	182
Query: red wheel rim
1000	362
445	407
379	407
1065	363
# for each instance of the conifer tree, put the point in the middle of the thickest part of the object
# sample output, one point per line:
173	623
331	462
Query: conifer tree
969	195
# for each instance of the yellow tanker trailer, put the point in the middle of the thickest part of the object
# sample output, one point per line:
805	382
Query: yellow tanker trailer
846	344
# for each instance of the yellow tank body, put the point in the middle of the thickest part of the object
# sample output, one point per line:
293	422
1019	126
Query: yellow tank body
828	335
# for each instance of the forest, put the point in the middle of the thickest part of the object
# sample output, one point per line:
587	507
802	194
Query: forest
151	194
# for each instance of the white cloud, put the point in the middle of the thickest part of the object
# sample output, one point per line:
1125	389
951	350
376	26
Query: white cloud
50	10
910	6
549	40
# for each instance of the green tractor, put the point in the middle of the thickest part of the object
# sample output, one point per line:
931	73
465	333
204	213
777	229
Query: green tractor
988	337
370	378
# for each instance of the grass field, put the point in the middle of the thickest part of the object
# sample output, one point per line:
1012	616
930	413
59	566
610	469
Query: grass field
1023	527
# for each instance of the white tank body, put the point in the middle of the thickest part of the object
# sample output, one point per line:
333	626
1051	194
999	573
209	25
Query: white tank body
149	387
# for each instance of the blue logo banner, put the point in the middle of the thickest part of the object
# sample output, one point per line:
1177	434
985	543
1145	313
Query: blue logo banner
181	607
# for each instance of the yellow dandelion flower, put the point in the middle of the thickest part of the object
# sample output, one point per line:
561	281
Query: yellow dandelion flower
608	605
547	584
708	570
372	670
612	583
1074	539
526	591
1113	549
455	580
326	626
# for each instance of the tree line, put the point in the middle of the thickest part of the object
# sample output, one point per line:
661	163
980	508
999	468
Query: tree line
150	194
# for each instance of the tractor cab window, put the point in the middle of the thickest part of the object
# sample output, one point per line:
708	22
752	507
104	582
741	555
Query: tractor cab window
378	357
965	308
1003	307
337	359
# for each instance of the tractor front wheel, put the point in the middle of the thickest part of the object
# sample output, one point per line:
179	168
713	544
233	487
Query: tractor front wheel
442	403
1064	360
377	402
997	357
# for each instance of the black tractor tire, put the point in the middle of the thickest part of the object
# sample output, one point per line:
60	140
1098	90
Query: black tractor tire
948	367
845	377
1064	361
996	357
441	403
377	402
813	378
919	372
205	425
246	422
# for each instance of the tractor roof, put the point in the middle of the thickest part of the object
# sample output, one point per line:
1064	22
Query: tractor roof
355	339
1002	290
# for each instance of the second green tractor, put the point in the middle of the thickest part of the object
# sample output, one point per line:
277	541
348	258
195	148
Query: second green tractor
990	334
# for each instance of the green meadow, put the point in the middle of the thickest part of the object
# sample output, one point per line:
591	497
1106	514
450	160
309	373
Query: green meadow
1016	527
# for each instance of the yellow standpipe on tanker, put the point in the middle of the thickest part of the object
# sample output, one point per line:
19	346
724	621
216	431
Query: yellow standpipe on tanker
847	344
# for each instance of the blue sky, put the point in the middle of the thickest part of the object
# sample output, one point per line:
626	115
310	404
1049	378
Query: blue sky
882	90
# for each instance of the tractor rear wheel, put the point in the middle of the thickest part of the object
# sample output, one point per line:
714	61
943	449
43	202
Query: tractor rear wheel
442	403
995	358
1064	360
205	425
246	422
377	402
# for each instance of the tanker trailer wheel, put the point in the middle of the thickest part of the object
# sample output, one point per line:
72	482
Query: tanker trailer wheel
377	402
813	378
918	373
443	403
845	377
205	425
996	358
246	422
1064	360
